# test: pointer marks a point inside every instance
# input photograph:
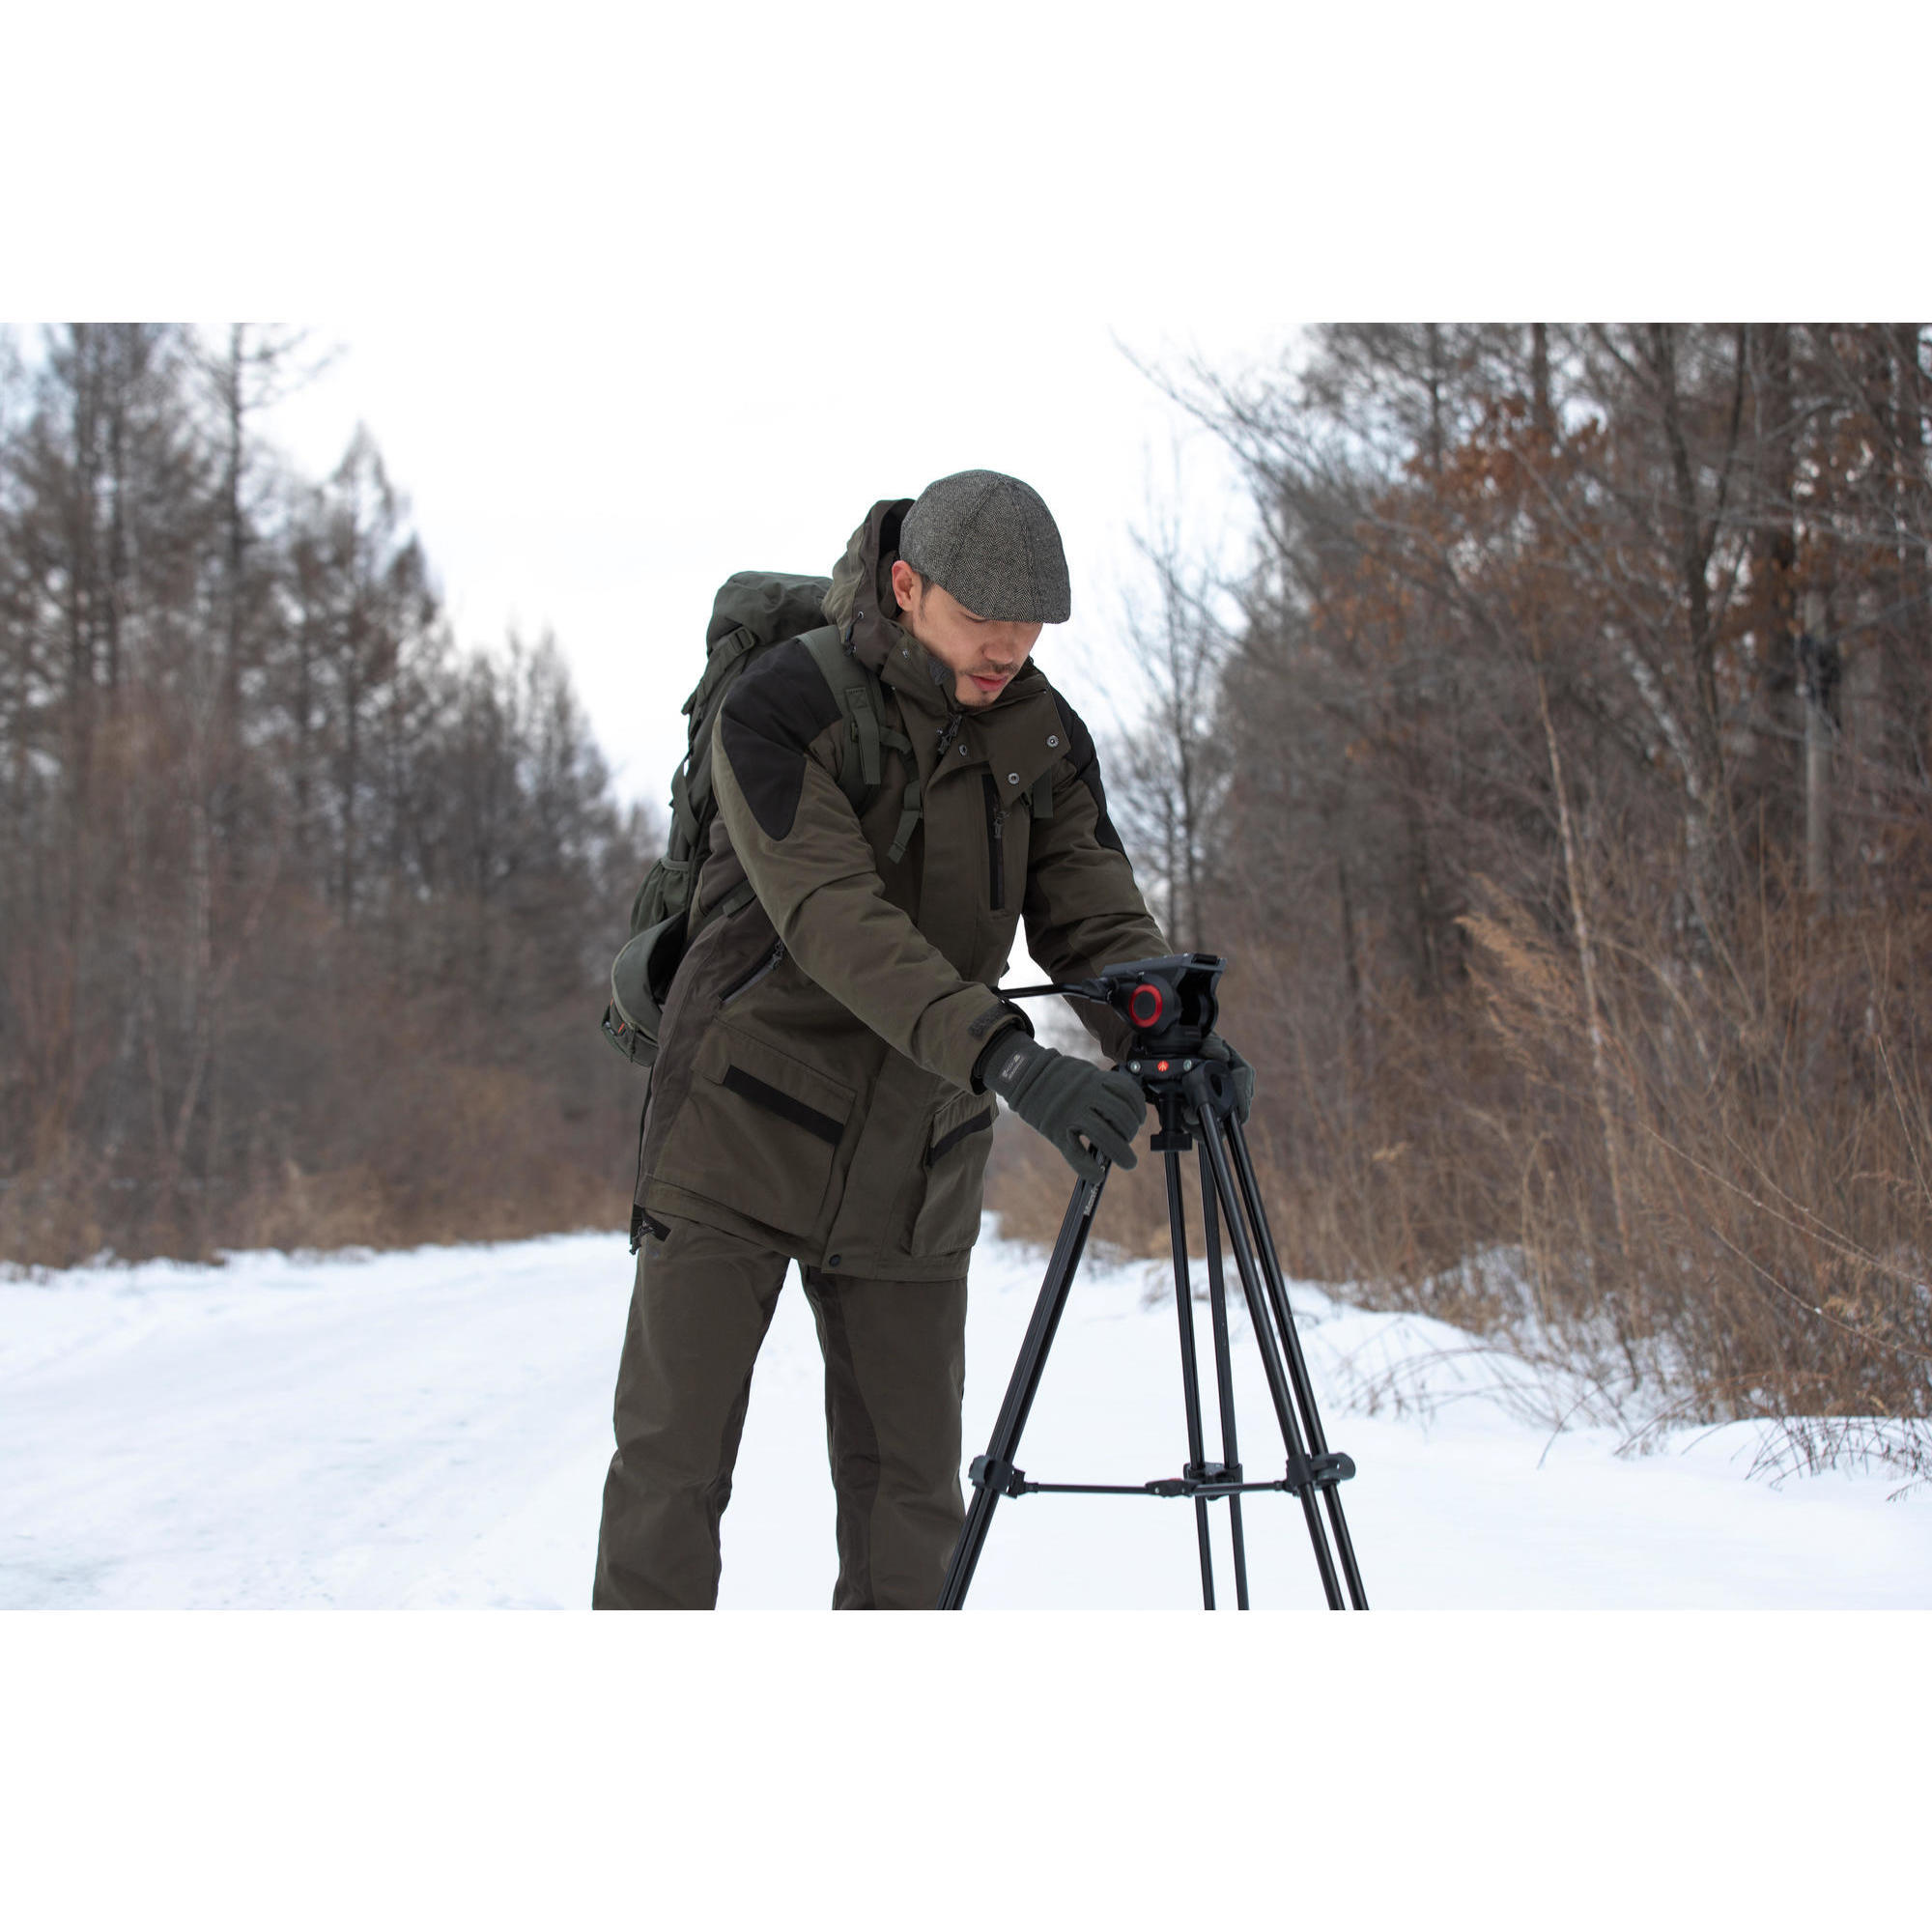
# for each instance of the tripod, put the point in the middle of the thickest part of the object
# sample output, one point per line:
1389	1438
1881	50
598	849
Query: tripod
1194	1101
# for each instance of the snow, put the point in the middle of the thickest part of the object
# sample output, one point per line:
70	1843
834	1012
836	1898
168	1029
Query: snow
429	1430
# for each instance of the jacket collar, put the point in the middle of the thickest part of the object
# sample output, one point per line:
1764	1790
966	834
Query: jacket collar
924	684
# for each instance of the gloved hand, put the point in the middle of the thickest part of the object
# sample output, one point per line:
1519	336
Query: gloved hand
1070	1101
1215	1047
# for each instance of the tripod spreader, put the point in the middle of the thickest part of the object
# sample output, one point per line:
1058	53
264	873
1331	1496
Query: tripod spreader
1198	1479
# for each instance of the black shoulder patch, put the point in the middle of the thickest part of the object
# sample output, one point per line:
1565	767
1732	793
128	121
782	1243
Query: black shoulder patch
1087	764
770	716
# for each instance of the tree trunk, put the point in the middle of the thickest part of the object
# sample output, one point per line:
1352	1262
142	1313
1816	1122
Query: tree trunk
1542	416
1705	778
1914	491
1358	1038
1818	658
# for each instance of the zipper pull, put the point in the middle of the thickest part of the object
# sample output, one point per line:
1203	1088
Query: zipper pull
950	731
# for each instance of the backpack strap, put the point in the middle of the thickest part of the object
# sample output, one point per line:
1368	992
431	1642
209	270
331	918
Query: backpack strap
909	812
719	663
690	783
863	704
684	823
852	685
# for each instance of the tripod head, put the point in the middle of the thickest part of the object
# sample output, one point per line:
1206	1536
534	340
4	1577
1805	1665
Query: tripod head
1170	1001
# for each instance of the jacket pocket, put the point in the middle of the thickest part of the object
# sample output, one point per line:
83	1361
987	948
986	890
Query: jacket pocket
954	1166
766	963
757	1132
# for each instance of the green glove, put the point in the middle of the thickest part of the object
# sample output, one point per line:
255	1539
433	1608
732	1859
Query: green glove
1085	1112
1215	1047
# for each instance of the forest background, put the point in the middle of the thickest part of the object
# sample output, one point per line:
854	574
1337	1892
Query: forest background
1553	766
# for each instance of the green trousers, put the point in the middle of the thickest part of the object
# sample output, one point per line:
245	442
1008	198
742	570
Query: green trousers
895	1373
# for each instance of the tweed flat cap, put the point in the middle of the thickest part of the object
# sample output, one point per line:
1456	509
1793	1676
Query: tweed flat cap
992	543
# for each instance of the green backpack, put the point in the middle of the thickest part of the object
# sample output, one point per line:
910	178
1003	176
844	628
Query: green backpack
756	611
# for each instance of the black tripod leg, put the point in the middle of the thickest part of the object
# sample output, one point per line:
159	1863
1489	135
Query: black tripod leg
1217	1303
1259	1315
1022	1388
1190	1370
1297	1364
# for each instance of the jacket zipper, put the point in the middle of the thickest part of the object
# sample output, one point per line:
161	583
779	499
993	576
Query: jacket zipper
745	982
996	844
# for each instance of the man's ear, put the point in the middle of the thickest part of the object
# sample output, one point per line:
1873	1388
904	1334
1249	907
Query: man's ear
902	583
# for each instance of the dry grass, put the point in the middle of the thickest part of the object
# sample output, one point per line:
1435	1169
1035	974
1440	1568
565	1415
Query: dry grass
434	1151
1764	1124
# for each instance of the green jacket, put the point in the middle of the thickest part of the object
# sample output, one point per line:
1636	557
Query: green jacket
814	1088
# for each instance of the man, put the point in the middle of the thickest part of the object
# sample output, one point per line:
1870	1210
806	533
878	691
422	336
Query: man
831	1044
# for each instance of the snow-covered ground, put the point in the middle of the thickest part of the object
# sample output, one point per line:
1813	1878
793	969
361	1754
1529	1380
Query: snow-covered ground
431	1429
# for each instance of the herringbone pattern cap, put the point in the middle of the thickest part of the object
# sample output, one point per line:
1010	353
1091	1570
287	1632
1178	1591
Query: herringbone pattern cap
991	542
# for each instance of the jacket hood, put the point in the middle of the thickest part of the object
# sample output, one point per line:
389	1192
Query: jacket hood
861	596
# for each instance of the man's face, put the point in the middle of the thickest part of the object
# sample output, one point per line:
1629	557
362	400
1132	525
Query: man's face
983	654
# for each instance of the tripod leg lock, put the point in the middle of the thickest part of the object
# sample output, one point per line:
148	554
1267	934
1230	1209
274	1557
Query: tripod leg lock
1217	1473
1318	1472
1003	1478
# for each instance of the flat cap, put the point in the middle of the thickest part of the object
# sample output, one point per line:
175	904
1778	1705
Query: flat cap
992	543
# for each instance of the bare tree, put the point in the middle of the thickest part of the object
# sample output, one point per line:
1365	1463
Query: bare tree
1571	654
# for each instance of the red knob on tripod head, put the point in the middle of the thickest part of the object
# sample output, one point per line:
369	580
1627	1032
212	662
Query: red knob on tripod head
1146	1004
